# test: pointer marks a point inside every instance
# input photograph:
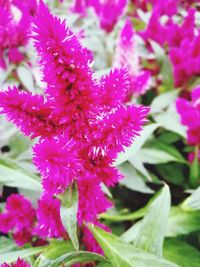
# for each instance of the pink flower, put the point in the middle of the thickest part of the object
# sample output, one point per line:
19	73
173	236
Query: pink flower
155	30
89	241
82	124
19	218
114	87
191	156
190	116
117	129
18	263
58	162
176	34
14	30
48	215
92	200
80	6
127	57
29	112
109	12
186	61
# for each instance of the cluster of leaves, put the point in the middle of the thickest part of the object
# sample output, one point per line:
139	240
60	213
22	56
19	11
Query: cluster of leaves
150	228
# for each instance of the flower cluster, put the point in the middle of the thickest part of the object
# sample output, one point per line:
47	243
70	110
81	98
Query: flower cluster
107	11
81	123
190	116
18	218
182	40
15	20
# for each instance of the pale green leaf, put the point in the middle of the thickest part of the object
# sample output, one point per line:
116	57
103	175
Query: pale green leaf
25	77
15	178
77	257
24	253
163	101
121	254
68	213
137	144
193	201
153	227
132	179
56	249
181	253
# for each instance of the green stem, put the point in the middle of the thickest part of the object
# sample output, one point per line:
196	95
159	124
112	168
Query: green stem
194	169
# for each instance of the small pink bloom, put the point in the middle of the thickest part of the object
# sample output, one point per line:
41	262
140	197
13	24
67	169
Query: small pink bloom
48	216
18	218
18	263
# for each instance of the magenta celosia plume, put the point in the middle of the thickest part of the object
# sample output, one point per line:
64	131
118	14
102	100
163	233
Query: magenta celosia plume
190	116
82	123
18	218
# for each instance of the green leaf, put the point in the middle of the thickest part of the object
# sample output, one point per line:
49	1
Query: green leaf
6	245
56	249
137	144
153	227
25	77
181	253
170	121
169	137
121	254
156	156
158	51
163	101
172	172
15	178
132	179
167	74
24	253
193	201
137	163
182	222
77	257
165	64
157	152
68	213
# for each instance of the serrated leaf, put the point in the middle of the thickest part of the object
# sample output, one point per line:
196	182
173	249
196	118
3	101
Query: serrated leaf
181	253
121	254
24	253
153	227
68	213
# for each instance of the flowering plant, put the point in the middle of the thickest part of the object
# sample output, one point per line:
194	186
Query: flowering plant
99	104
